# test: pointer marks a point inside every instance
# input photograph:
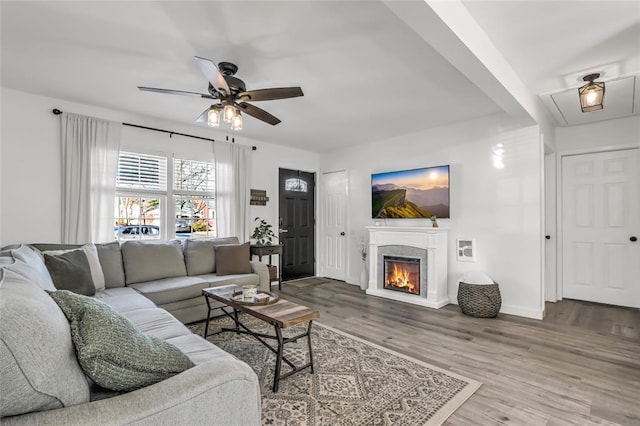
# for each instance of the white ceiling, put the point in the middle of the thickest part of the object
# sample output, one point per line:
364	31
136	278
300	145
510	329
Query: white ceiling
552	44
365	74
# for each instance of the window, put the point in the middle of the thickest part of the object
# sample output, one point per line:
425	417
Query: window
141	206
295	184
194	198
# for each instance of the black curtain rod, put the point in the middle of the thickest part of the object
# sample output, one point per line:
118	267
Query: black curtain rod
56	111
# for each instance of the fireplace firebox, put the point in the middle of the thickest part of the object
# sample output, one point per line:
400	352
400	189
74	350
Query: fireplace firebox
402	274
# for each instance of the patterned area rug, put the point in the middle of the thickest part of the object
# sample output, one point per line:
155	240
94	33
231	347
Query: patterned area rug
355	382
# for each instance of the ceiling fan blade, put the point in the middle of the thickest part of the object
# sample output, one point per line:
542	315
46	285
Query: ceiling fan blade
212	73
258	113
175	92
271	94
202	118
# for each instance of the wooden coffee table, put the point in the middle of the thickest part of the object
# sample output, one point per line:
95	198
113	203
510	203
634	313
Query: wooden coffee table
281	314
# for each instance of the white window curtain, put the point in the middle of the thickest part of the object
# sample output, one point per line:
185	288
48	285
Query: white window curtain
90	149
233	179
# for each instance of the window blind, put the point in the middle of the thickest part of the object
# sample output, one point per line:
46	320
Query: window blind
142	171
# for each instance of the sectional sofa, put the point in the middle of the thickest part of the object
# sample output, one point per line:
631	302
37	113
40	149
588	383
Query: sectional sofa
155	285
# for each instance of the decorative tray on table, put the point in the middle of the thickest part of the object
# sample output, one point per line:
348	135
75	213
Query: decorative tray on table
261	298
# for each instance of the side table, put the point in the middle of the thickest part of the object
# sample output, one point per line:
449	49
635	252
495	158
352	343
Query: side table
269	251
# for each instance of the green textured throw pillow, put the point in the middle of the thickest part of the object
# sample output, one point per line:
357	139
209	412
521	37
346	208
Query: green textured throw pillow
112	351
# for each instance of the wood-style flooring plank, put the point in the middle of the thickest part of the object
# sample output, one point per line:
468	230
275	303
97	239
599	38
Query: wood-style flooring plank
579	366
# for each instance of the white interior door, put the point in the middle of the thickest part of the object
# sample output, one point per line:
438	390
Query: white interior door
600	220
334	217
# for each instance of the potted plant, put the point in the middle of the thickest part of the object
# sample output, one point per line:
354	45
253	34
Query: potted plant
434	221
263	233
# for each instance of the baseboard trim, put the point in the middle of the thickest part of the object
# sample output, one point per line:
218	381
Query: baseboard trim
522	312
515	310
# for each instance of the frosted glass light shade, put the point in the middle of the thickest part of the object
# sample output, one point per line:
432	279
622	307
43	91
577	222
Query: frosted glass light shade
591	94
213	118
229	112
236	122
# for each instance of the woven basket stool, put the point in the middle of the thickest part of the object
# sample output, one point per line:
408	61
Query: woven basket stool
480	301
273	272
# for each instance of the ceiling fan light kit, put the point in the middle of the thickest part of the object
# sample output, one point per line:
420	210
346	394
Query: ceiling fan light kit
227	89
591	94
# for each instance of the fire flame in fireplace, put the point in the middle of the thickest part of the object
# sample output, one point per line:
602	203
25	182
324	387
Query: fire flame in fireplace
399	278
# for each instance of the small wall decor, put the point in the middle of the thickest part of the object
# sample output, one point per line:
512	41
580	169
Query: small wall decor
466	249
258	197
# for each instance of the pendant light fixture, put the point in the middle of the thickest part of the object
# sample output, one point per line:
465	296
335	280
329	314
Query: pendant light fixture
591	94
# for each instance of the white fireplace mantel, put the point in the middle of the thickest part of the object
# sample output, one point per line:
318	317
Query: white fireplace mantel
433	240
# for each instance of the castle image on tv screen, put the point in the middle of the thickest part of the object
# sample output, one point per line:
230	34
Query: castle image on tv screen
411	194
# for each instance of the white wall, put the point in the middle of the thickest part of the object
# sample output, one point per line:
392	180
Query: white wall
622	132
500	208
30	171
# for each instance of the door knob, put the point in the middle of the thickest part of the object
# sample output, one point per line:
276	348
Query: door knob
633	239
342	233
548	237
282	231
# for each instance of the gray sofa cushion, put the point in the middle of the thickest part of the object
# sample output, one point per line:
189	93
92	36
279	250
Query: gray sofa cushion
214	280
112	351
157	322
199	254
111	261
124	299
152	260
38	366
233	259
71	271
170	290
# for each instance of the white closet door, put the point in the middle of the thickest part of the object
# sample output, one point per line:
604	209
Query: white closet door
334	217
600	220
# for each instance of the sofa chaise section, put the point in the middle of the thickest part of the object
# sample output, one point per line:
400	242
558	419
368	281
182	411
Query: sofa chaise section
218	390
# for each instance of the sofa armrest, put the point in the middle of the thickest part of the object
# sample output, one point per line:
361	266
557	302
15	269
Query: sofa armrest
221	392
263	272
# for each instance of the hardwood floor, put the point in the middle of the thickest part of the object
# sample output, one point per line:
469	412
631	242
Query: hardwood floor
581	365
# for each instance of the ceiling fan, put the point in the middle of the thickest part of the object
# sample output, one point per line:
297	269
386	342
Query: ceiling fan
232	95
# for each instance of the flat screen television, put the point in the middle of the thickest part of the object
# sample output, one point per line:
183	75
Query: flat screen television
411	194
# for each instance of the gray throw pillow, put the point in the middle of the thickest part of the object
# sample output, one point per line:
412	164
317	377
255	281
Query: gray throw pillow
233	259
111	261
71	271
112	351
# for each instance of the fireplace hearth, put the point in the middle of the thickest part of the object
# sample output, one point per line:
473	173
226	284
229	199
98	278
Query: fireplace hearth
420	255
402	274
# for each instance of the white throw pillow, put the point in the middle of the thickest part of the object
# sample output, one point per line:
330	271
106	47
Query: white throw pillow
30	265
94	263
476	277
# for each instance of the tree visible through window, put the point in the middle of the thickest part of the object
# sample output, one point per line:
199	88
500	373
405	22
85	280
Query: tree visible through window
142	193
194	197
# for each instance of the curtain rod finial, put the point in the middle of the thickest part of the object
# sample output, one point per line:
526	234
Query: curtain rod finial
56	111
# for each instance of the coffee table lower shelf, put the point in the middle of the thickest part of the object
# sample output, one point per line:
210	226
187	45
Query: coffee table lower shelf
240	328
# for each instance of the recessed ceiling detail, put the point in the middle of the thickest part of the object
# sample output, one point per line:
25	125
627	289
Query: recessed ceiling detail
618	102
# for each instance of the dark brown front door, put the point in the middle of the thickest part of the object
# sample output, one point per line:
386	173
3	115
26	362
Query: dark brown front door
297	223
